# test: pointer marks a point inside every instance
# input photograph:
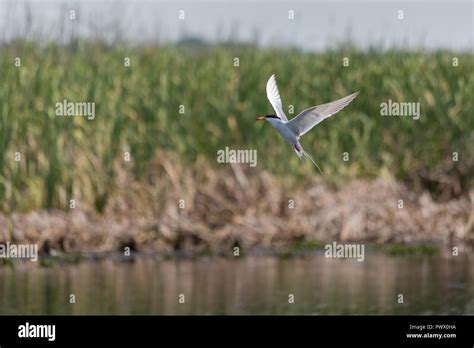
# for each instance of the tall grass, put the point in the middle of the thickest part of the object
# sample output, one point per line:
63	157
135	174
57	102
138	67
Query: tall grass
137	110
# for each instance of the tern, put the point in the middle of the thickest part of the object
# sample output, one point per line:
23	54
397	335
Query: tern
301	124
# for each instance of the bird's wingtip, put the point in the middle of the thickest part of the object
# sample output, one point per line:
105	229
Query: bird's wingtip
354	95
271	79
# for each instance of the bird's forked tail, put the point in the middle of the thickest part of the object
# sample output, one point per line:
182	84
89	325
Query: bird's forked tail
301	152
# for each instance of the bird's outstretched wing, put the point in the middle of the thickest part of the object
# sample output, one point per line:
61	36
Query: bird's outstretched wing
307	119
274	97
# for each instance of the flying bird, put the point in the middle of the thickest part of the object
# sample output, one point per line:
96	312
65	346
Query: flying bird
293	130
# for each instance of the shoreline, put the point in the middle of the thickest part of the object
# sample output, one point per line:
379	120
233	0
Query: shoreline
149	219
297	250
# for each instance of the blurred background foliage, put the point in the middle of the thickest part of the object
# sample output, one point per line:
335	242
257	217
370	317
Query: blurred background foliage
137	110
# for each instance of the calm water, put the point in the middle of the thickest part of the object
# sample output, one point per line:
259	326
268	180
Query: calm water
251	285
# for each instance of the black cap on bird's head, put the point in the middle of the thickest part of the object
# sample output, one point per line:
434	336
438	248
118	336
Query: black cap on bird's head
263	118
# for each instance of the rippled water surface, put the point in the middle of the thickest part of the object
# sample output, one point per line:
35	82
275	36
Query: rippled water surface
250	285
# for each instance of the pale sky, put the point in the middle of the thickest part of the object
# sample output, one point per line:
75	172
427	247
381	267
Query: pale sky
316	24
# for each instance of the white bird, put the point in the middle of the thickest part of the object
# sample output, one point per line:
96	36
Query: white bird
292	130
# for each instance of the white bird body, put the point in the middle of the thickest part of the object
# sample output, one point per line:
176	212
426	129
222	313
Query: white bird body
292	130
285	132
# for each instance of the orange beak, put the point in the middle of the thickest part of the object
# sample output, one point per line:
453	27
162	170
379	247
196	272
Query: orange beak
261	118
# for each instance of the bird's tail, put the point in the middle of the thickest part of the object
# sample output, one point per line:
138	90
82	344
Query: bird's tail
301	152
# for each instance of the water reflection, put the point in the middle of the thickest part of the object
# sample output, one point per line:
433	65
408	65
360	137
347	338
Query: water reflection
252	285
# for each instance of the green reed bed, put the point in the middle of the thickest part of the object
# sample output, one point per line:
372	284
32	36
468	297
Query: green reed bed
138	111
